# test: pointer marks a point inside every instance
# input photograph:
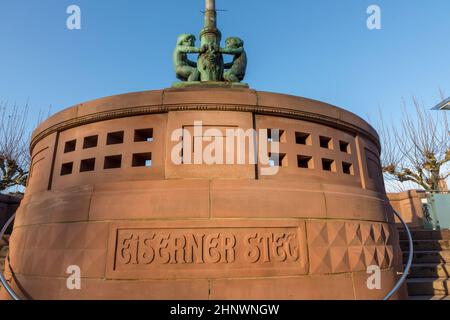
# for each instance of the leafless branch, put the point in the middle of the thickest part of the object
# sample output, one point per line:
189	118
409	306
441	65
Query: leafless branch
418	150
14	143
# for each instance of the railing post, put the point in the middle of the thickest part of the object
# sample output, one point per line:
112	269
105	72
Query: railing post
2	278
410	259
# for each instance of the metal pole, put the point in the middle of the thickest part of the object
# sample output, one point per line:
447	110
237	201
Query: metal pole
408	264
210	5
210	15
210	63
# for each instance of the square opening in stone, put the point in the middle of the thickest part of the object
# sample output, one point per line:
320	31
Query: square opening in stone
67	168
326	143
70	146
305	162
115	138
90	142
329	165
271	135
278	160
347	168
87	165
303	138
113	162
344	146
143	135
142	159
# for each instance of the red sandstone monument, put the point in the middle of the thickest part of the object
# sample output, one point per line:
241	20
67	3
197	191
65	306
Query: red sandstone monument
296	209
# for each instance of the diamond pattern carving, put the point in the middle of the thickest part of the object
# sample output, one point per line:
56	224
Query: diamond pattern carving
339	246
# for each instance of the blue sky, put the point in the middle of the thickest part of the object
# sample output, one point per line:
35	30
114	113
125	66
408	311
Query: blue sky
319	49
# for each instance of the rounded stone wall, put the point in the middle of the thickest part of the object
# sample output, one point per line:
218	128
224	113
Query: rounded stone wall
105	195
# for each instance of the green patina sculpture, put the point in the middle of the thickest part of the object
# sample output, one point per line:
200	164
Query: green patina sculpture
210	66
210	63
185	69
237	68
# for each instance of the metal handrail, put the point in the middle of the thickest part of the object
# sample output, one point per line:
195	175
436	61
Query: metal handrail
409	263
2	278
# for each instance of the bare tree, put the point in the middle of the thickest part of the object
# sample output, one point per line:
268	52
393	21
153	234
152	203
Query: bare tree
14	142
418	151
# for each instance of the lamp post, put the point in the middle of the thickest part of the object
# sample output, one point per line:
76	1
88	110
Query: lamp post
210	62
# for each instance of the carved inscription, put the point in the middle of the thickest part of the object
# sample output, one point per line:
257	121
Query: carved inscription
166	248
279	247
179	250
199	248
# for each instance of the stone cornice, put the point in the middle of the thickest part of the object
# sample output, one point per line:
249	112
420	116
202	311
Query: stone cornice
146	110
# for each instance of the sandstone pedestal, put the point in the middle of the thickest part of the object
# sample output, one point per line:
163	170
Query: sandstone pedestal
167	231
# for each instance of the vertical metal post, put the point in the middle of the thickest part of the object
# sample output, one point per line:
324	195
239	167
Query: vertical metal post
2	278
210	63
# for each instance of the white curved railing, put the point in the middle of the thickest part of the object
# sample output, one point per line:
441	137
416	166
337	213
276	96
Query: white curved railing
408	264
5	283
